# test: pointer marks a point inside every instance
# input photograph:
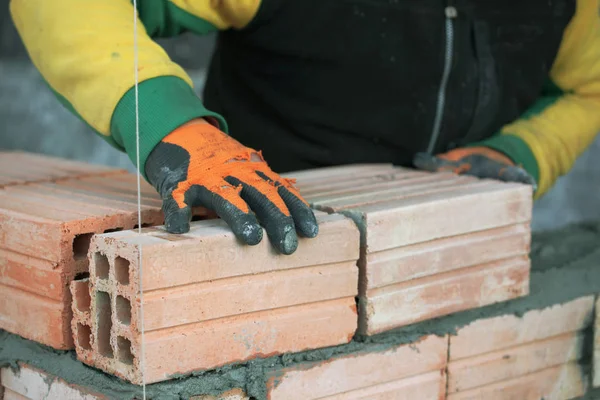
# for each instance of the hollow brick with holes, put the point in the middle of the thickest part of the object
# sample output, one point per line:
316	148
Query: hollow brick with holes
202	291
432	244
44	240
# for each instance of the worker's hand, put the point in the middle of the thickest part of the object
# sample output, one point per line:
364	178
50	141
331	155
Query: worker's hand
481	162
198	165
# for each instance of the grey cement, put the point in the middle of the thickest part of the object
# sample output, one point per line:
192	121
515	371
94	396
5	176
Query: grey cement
32	120
565	266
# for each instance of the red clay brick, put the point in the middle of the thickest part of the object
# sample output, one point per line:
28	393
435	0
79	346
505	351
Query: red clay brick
363	372
596	368
35	317
418	227
406	263
467	208
428	386
18	168
513	362
34	384
494	334
562	382
442	294
203	291
46	232
213	299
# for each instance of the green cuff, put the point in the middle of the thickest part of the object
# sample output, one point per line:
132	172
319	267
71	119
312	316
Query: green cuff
165	103
514	148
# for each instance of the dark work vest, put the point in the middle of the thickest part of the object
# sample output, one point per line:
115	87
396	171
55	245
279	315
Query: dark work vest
325	82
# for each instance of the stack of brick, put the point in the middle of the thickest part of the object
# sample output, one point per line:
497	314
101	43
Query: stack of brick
537	356
431	244
49	210
207	301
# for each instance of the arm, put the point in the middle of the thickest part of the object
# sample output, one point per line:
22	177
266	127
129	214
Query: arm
84	51
547	140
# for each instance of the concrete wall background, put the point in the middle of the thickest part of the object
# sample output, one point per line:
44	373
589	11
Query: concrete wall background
31	119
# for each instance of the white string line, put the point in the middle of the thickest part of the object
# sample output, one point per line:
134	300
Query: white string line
139	199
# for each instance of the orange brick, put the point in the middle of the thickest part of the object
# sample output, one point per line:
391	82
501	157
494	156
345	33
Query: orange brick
513	362
33	384
337	173
493	334
384	181
420	230
417	186
428	386
562	382
442	294
45	235
363	372
596	368
213	299
466	208
203	291
406	263
35	317
18	168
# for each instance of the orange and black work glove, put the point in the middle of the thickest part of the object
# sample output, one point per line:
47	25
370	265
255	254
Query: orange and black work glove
198	165
482	162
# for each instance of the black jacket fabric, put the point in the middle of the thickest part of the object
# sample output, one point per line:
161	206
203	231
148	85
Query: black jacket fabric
322	82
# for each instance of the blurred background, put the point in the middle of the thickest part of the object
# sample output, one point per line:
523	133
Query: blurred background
31	119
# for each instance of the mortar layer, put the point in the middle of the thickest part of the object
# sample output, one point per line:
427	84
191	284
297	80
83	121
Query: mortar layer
565	266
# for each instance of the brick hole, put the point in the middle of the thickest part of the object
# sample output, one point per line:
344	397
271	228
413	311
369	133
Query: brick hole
102	266
113	230
84	334
143	226
103	316
122	270
125	354
123	310
81	245
81	275
83	299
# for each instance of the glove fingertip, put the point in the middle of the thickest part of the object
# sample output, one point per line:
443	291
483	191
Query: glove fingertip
251	233
289	242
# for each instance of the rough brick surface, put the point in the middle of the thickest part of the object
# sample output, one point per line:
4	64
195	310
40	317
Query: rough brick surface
410	371
431	244
414	301
45	236
18	168
510	357
513	362
562	382
33	384
203	291
493	334
235	394
596	367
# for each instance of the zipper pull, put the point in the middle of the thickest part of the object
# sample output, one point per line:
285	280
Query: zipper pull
451	12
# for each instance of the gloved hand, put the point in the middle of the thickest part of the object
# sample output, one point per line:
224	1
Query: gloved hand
482	162
198	165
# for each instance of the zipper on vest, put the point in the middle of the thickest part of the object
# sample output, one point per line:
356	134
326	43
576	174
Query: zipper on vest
451	14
